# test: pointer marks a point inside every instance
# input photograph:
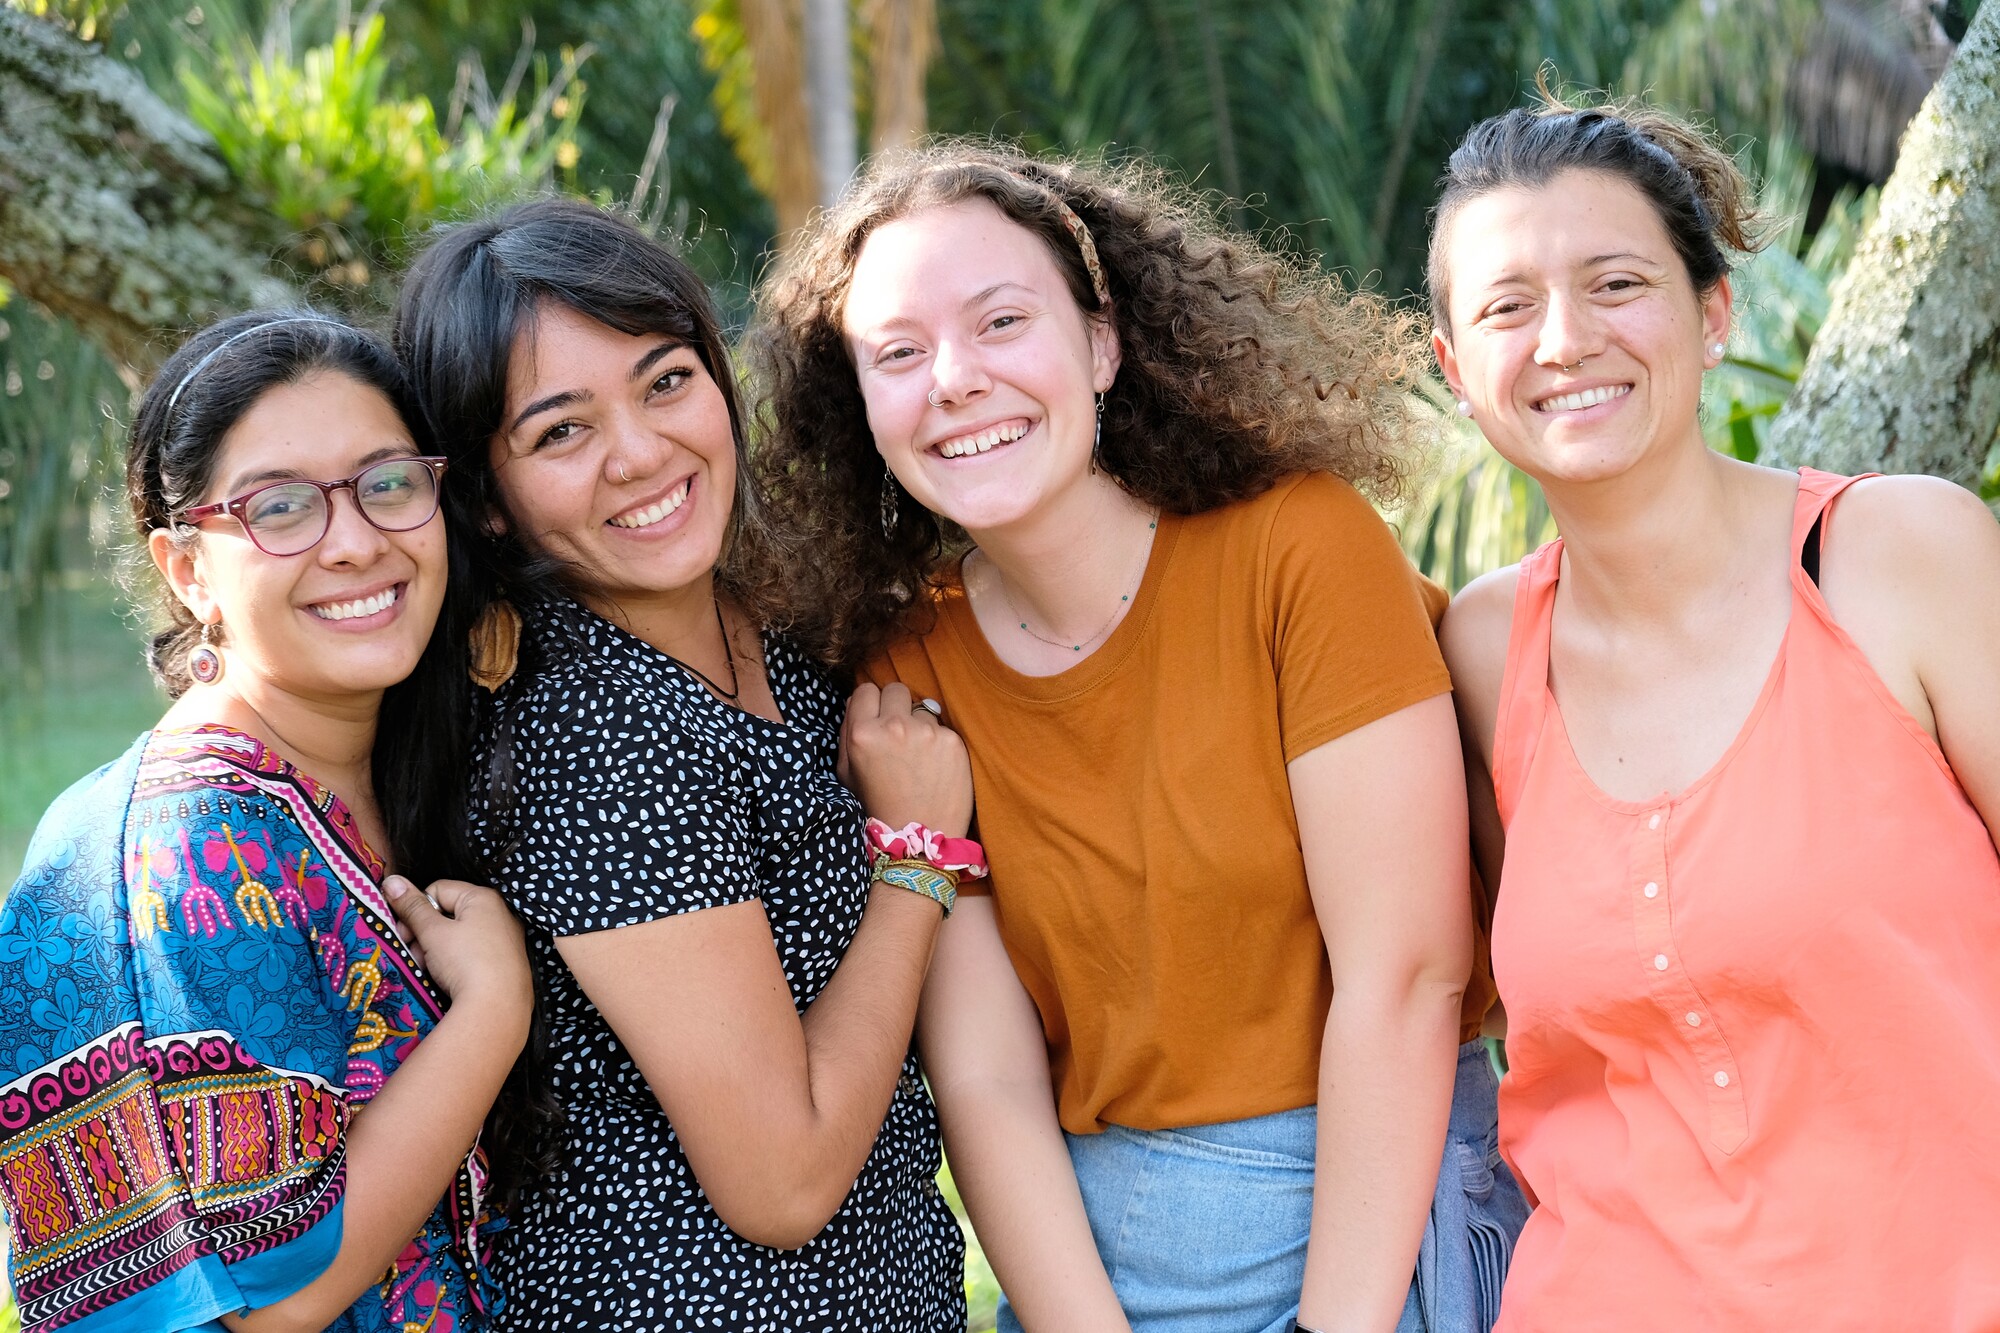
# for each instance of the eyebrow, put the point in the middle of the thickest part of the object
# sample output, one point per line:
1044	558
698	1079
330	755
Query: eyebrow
249	479
987	294
570	397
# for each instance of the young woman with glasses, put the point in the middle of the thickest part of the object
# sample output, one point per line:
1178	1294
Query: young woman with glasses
204	983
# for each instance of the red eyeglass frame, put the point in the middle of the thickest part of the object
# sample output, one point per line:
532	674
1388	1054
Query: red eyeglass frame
235	505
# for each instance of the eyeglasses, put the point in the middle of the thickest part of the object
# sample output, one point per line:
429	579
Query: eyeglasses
292	517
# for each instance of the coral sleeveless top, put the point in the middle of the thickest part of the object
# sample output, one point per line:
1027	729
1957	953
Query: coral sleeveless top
1754	1026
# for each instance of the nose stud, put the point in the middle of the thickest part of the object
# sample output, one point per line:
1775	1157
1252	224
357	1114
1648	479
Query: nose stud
932	399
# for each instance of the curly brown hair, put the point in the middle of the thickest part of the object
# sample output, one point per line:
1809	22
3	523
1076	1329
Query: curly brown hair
1241	365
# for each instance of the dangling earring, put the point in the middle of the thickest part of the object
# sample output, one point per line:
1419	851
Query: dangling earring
891	503
203	662
495	646
1097	437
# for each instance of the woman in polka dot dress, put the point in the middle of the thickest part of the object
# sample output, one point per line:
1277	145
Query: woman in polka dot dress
658	791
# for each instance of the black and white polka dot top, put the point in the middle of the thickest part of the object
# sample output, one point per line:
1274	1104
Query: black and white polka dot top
638	795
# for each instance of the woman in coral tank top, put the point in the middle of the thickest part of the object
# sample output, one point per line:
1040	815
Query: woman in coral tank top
1744	759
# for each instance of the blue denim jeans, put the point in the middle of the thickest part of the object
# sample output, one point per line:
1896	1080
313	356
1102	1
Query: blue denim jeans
1203	1230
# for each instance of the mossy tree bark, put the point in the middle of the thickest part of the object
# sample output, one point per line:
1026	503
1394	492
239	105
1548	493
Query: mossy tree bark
115	211
1905	374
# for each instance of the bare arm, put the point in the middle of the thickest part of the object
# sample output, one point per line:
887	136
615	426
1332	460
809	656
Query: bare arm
989	1070
702	1003
405	1145
1381	815
1912	572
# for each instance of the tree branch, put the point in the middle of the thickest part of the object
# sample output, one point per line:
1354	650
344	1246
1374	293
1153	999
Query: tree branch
114	210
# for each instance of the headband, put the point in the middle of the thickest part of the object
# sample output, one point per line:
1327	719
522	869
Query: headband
220	347
1078	233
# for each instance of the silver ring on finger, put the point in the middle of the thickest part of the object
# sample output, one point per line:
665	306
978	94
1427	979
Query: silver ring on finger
931	706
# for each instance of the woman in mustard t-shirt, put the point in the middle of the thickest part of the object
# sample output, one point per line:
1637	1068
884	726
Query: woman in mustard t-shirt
1060	454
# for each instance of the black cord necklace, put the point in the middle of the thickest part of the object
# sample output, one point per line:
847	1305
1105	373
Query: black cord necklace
728	655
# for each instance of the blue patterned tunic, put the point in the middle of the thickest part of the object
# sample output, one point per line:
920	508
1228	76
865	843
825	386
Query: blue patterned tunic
200	987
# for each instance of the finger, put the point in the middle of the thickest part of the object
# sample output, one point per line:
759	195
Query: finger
896	700
864	704
413	910
453	896
842	769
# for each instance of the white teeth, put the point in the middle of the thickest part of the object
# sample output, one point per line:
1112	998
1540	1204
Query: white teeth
364	606
982	442
654	513
1576	402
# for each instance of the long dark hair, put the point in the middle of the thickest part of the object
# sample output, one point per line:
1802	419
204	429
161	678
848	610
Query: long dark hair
425	728
1240	365
473	291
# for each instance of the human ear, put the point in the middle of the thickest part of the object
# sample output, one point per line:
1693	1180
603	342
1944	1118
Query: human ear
1105	356
179	564
1715	317
1447	361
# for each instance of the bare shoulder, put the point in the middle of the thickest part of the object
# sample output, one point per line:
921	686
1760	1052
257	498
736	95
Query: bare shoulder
1914	527
1474	635
1476	628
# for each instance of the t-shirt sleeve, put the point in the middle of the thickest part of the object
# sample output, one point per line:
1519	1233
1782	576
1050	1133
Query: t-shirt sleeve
622	812
1352	621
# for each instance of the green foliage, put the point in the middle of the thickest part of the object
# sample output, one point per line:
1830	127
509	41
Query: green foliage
10	1317
355	172
1782	296
58	455
1332	117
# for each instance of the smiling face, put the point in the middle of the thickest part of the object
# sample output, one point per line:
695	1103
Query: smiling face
961	307
352	615
616	454
1576	333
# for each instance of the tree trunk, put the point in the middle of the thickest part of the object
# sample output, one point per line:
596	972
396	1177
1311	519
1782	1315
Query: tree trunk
902	39
1905	375
771	31
114	210
830	84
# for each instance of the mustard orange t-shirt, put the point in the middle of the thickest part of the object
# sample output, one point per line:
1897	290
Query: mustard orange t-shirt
1137	813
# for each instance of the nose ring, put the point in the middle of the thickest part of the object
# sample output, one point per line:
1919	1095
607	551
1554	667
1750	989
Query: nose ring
932	399
623	475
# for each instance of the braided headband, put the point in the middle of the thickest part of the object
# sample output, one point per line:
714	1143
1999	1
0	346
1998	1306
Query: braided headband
1078	233
220	347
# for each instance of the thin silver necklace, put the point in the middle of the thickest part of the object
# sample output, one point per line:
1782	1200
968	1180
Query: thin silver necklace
1131	591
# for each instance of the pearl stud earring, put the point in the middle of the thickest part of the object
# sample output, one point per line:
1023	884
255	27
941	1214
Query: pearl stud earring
1716	350
1464	408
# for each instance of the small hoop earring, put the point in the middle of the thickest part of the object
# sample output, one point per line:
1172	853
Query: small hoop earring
891	503
932	399
623	475
1097	436
203	662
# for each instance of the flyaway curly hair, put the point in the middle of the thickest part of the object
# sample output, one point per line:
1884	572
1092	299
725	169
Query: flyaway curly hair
1241	366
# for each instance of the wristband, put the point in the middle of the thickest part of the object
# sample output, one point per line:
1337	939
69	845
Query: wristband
940	886
965	858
